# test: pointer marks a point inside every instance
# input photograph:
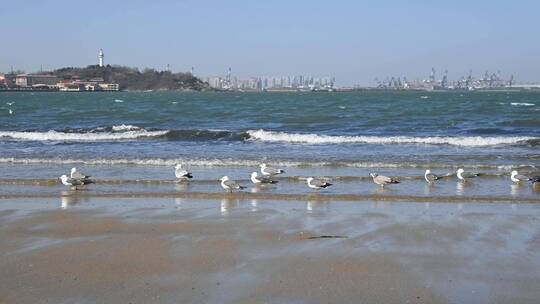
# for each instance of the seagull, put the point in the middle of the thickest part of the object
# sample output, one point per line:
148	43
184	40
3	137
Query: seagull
269	171
462	175
230	185
516	178
261	179
68	181
430	177
181	173
78	175
9	103
383	180
317	183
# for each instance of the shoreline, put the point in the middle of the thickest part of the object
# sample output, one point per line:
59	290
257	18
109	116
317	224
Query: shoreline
283	197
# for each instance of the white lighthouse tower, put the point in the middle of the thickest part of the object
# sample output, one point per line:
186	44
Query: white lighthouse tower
101	57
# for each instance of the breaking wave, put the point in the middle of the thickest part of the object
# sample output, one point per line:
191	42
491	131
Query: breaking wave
122	132
526	104
465	141
252	163
125	132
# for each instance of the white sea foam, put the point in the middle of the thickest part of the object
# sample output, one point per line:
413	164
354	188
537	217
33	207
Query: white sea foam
118	100
466	141
79	137
122	127
229	162
526	104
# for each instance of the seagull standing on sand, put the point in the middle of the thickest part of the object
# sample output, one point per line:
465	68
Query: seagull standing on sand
430	177
256	179
78	175
317	184
230	185
182	173
383	180
516	177
463	176
269	171
68	181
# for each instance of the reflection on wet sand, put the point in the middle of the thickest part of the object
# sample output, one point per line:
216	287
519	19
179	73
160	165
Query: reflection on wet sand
317	205
67	200
181	186
254	204
514	189
178	202
383	190
461	186
228	204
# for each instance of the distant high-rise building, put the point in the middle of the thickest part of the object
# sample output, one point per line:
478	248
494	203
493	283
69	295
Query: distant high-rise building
101	56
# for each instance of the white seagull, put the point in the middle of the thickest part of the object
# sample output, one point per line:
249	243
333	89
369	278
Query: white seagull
430	177
516	177
256	179
383	180
462	175
68	181
317	184
269	171
181	173
78	175
230	185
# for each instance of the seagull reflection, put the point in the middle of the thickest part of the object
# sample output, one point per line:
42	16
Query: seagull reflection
514	189
181	186
383	190
254	204
312	205
428	188
460	187
67	200
227	204
460	206
178	202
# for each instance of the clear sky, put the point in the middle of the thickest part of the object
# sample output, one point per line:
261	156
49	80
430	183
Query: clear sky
355	41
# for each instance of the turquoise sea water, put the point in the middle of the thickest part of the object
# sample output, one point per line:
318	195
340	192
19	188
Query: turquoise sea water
358	129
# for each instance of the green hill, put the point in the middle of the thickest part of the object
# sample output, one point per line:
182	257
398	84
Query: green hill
133	79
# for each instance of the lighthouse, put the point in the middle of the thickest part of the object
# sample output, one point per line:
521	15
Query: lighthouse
101	57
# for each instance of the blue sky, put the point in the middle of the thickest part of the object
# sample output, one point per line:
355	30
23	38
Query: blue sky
354	40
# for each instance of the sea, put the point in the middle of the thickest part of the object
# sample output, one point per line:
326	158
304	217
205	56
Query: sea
142	135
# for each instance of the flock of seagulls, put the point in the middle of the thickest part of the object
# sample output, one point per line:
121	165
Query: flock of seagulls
10	111
76	178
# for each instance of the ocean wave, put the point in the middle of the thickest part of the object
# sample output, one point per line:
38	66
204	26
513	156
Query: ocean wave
465	141
123	127
60	136
229	162
123	132
526	104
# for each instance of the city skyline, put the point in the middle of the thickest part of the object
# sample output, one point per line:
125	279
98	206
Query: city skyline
356	43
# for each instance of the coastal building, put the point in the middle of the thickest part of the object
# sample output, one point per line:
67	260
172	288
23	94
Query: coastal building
29	80
71	87
101	57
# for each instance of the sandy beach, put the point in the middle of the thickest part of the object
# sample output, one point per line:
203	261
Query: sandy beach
230	250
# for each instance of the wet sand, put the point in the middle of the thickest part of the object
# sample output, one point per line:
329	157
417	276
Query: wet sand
239	250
